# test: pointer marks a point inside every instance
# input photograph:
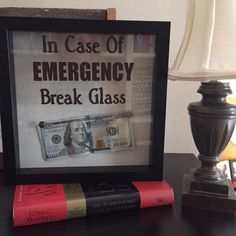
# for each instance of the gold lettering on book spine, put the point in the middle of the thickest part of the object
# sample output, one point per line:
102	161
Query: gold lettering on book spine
75	200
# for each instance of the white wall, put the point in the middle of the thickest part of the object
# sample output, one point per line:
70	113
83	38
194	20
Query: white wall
178	135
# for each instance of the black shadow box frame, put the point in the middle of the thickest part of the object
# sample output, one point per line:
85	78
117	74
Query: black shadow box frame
12	28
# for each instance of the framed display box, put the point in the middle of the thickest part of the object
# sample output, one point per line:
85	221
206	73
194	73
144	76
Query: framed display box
83	100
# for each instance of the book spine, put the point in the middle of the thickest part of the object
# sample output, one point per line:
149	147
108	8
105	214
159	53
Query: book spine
35	204
105	198
79	201
234	184
154	193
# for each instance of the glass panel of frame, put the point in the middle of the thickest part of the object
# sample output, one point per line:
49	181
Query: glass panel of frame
83	99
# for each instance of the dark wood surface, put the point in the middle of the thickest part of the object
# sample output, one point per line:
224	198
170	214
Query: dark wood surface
166	220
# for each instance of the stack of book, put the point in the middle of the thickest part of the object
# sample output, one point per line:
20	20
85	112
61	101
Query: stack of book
35	204
227	165
228	156
228	169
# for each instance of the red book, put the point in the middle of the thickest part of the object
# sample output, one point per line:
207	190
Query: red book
35	204
234	184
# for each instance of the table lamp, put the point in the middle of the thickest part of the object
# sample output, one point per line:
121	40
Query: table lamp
208	54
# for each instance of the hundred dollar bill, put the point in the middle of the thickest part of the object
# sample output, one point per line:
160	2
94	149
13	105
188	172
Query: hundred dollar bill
65	138
111	131
84	135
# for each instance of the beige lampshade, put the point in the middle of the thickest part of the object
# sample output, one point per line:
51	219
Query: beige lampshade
208	49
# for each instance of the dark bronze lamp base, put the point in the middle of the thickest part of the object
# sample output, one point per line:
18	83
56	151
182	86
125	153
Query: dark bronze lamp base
218	197
212	124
